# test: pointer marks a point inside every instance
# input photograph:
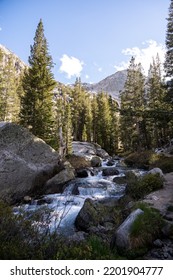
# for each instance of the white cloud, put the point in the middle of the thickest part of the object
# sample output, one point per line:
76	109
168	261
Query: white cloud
87	76
143	55
0	28
70	65
100	69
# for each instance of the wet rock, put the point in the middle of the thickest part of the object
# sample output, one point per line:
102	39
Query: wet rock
110	162
110	171
120	180
82	173
96	161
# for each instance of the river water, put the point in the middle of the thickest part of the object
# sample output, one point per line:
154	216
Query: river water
59	211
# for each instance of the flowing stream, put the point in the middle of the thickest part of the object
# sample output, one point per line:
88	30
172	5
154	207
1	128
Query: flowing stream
59	211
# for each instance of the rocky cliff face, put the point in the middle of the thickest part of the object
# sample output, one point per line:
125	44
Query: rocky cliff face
6	54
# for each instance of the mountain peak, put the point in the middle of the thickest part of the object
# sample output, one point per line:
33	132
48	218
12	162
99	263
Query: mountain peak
112	84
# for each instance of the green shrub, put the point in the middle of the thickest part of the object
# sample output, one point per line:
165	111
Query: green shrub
93	248
164	163
137	188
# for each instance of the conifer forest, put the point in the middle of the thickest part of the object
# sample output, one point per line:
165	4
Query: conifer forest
60	113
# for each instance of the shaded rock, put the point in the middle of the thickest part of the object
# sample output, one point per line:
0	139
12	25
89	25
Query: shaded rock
110	162
121	239
120	180
96	214
110	171
96	161
82	173
158	243
56	184
26	162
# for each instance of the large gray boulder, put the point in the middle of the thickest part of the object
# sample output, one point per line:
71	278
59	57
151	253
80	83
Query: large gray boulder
121	239
26	162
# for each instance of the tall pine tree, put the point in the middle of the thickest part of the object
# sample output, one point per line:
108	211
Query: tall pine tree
132	123
168	65
38	84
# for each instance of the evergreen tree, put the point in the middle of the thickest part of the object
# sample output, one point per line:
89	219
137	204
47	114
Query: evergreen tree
132	123
158	118
63	122
78	110
94	110
38	84
113	146
169	43
103	121
9	82
168	65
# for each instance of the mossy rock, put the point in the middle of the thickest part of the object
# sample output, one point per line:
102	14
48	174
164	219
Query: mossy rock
95	213
149	159
139	159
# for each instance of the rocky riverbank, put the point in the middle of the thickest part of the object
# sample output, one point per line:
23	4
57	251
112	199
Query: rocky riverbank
129	210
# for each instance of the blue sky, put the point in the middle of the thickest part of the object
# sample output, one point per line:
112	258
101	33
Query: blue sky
91	38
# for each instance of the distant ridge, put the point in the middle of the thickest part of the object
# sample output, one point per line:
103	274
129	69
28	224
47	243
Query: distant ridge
18	63
112	84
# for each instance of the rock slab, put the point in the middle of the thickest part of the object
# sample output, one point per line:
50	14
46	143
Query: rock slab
26	162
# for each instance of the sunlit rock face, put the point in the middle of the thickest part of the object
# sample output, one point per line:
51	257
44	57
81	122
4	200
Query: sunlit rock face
26	162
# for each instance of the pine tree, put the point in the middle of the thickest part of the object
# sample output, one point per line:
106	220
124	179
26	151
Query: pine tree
169	43
94	110
79	110
104	121
132	123
38	84
9	82
113	146
157	108
168	65
63	122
